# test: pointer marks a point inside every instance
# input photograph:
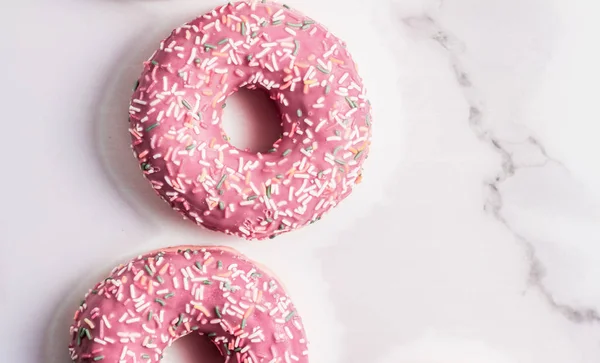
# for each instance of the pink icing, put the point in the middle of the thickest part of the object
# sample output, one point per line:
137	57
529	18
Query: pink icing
176	111
149	302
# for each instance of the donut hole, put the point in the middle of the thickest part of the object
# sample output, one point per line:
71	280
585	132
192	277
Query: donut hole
252	120
193	348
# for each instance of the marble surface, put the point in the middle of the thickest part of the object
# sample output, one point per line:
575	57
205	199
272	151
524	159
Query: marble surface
473	238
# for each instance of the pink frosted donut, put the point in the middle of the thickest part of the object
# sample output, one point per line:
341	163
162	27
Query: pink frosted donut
176	109
143	306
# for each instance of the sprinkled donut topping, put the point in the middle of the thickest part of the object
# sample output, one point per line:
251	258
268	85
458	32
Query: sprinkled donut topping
176	109
149	302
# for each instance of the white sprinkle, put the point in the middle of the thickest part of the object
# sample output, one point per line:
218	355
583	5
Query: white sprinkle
109	340
123	352
132	320
106	322
275	65
278	13
132	291
184	272
165	84
262	53
330	51
343	78
288	332
192	56
148	330
320	125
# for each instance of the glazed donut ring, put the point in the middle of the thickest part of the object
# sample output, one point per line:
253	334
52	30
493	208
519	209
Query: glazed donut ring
143	306
176	109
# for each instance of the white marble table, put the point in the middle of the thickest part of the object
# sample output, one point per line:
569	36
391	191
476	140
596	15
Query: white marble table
473	238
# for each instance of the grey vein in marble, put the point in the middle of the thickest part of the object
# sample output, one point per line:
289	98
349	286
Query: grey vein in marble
509	153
